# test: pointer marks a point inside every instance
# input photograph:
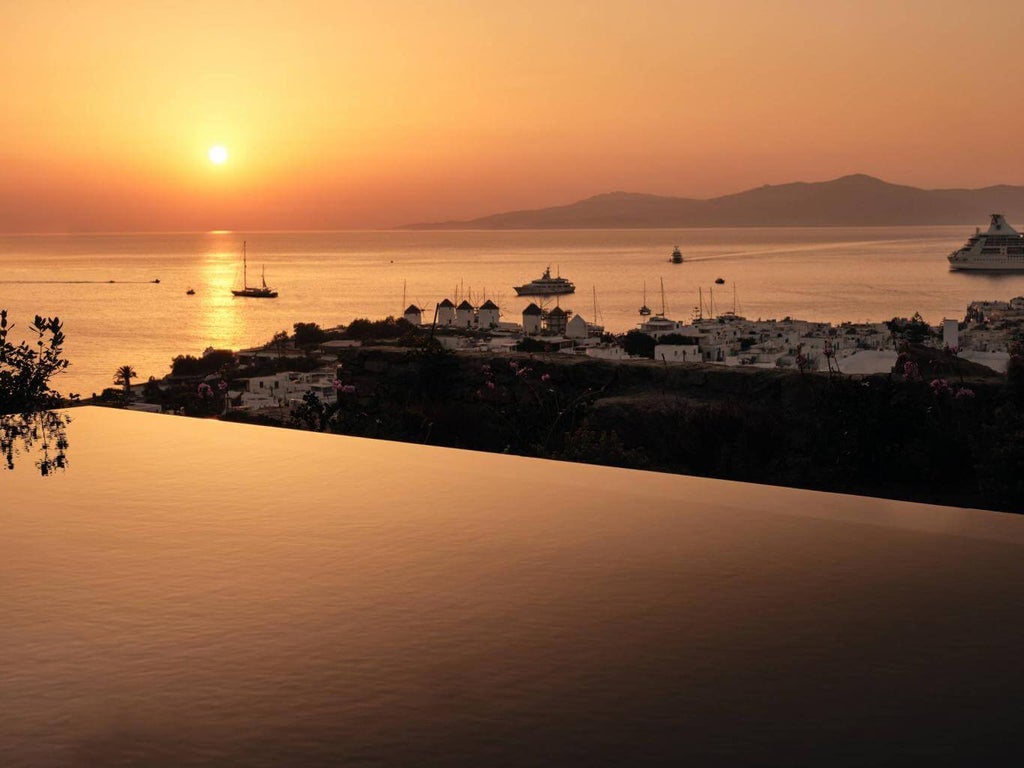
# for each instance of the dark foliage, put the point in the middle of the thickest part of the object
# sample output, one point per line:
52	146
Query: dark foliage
639	344
26	369
212	362
308	334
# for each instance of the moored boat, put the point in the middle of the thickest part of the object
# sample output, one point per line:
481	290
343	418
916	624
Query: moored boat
253	291
677	256
546	285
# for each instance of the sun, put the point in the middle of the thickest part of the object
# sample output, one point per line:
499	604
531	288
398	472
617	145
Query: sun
218	155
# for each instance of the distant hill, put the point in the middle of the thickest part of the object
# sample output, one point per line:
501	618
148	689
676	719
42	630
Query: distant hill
856	200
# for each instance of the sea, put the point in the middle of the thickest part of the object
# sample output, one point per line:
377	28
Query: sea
104	289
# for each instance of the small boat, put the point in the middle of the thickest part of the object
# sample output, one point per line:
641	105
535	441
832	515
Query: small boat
677	256
253	291
190	292
719	281
546	285
645	310
157	281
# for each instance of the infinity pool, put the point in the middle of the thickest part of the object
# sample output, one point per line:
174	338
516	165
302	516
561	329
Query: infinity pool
194	593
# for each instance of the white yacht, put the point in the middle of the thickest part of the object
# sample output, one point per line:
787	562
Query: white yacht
999	249
545	286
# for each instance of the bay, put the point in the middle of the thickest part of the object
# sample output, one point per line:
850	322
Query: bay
826	274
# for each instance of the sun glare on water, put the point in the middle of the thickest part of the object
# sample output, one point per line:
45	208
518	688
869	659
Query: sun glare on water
218	155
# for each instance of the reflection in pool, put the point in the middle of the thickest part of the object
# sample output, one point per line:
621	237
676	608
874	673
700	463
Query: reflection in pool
40	436
194	593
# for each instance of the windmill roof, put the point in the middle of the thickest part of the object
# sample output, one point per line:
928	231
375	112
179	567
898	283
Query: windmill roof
446	303
488	305
413	308
465	305
533	309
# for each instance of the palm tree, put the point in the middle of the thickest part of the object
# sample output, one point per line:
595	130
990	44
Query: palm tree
123	376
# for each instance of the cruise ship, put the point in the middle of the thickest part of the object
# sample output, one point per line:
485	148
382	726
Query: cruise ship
999	249
546	285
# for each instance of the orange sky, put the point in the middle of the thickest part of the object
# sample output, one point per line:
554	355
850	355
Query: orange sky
343	114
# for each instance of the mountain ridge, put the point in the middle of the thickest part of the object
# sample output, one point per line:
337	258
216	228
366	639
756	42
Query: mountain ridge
853	200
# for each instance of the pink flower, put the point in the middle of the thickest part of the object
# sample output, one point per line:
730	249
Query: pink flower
964	392
336	384
222	386
348	389
939	387
910	370
204	390
490	385
545	377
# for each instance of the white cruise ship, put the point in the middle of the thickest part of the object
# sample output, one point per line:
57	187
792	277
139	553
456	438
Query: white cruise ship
999	249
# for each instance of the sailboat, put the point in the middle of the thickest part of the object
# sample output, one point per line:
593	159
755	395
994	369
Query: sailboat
253	291
645	310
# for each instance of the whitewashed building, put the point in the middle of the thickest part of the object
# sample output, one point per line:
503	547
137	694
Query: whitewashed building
446	313
464	315
532	317
413	315
488	314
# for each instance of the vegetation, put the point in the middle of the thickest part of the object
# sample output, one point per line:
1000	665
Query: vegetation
639	344
912	331
211	362
309	334
123	377
26	369
389	328
916	436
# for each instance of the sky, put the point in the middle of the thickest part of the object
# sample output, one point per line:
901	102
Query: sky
339	114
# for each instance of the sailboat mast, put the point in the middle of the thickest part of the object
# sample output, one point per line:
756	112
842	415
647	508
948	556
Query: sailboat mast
245	273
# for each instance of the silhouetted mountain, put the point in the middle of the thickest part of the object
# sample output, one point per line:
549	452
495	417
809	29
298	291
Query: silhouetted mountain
856	200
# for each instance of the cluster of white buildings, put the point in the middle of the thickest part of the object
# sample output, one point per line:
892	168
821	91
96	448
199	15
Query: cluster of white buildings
983	337
281	390
727	339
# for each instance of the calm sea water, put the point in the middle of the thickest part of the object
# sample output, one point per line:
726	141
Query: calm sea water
831	274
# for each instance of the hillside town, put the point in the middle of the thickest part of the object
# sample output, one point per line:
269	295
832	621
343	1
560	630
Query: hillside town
986	336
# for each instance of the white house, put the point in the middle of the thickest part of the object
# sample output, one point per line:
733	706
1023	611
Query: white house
576	328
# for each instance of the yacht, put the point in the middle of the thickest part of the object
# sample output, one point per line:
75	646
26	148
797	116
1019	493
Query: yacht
645	310
998	249
546	285
253	291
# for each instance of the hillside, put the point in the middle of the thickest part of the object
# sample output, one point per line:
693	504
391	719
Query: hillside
856	200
